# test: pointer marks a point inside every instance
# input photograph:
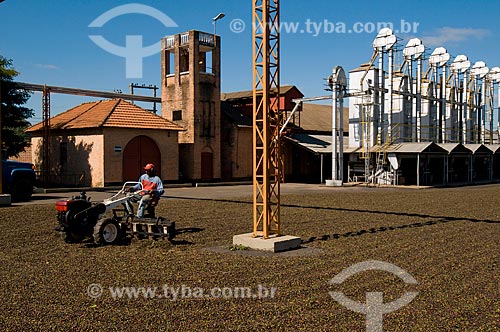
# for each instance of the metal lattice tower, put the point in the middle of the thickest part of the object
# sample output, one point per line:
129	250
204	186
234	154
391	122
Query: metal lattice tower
46	134
267	119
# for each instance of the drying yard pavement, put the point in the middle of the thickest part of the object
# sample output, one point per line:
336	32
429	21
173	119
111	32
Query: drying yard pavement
447	239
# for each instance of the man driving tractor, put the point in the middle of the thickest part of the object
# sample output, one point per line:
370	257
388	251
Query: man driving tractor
152	188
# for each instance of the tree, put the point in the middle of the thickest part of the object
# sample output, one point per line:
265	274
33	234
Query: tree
14	115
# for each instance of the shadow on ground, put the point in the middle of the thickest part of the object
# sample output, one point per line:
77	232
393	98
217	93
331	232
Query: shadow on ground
435	219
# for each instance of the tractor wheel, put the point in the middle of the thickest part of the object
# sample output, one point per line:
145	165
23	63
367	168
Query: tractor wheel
171	231
107	231
22	189
69	237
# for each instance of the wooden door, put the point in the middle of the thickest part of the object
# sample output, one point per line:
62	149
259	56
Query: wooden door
141	150
207	170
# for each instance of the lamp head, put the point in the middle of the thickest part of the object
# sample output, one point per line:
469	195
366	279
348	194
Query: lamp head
218	17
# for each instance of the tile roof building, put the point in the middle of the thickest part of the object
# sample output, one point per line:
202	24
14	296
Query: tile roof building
107	141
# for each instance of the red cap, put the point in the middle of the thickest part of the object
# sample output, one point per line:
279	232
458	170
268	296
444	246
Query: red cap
149	166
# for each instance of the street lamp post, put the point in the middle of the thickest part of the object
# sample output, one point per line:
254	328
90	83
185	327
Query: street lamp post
214	21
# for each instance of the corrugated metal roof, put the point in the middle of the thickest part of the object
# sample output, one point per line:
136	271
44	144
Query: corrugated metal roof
316	143
478	148
249	94
430	147
416	148
495	148
455	148
423	147
107	113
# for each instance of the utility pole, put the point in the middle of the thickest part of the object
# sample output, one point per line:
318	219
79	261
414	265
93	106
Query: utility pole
1	143
144	86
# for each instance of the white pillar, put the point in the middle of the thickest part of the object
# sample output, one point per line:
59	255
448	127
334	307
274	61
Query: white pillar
465	101
419	99
413	114
418	169
321	167
482	109
381	95
334	133
443	107
438	112
391	78
341	135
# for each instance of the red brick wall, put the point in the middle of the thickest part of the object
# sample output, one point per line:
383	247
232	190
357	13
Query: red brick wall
24	156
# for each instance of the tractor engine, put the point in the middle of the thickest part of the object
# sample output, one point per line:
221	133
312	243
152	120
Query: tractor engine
76	217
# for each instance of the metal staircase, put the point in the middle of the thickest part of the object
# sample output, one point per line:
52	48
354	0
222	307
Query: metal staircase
366	122
381	175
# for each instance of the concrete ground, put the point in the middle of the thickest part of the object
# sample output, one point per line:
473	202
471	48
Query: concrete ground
212	191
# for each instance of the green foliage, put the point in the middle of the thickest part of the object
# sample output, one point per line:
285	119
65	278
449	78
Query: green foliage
237	247
14	114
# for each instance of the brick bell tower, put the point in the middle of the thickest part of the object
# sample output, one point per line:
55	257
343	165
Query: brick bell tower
191	99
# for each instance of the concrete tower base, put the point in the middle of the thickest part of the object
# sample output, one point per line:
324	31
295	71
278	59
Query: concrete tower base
333	183
273	243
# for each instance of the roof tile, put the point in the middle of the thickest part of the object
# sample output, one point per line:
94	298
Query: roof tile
107	113
249	94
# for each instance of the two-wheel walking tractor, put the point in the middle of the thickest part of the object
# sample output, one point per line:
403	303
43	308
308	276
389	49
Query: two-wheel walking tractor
112	220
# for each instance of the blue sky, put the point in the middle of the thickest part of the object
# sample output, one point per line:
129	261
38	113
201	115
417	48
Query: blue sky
49	40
